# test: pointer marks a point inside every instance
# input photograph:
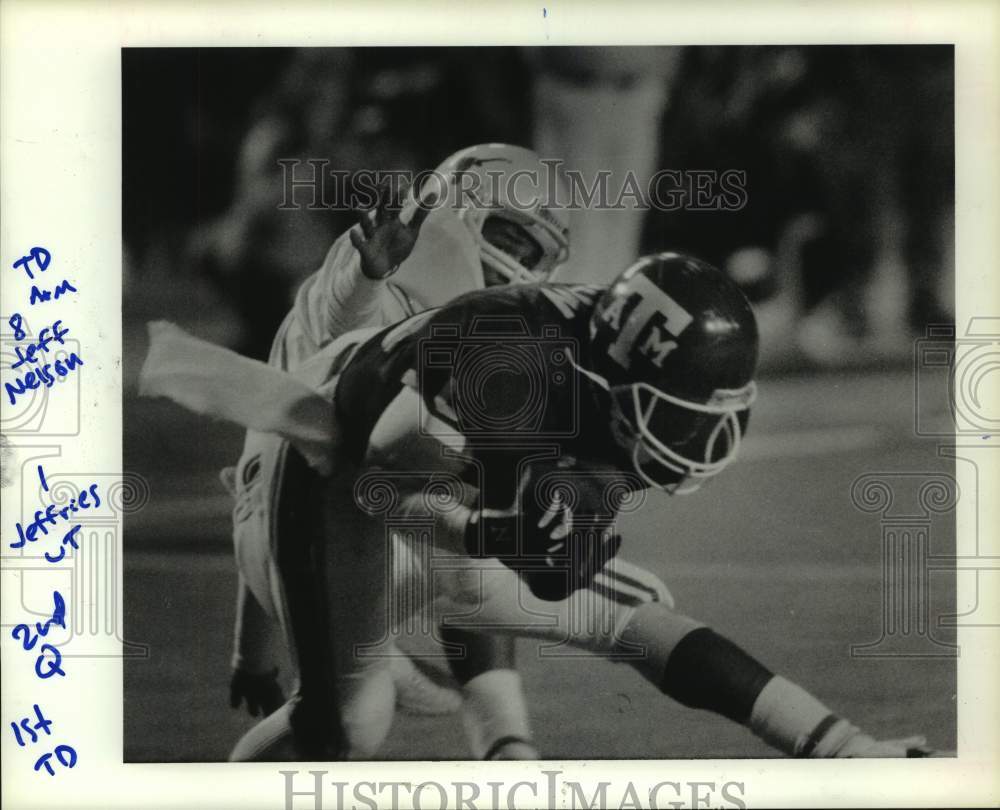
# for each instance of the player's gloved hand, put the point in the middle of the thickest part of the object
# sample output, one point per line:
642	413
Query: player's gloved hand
553	557
259	690
384	241
571	526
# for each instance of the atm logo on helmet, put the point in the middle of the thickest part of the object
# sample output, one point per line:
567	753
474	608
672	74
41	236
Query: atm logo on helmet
665	318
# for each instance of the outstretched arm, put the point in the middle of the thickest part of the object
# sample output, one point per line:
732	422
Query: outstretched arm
347	292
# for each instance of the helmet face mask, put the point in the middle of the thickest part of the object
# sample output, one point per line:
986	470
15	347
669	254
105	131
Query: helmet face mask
676	444
674	343
510	183
510	254
513	239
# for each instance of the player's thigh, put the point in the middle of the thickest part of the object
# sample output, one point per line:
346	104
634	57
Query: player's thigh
484	595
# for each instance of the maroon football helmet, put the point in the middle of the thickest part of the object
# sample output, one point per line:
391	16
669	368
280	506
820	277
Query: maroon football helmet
674	341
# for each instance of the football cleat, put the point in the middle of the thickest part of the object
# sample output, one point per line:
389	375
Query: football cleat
513	205
674	342
864	747
920	751
842	740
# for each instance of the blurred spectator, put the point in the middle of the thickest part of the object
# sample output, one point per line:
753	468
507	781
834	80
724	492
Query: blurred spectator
848	151
599	109
845	241
255	252
376	109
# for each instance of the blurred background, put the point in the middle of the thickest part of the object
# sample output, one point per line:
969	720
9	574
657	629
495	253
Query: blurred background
845	246
845	243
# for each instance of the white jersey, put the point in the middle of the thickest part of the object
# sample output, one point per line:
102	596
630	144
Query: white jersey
339	298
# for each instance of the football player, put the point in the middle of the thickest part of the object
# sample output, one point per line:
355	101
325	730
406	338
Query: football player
488	218
649	381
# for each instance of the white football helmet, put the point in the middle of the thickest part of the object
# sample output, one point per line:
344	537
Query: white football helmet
511	183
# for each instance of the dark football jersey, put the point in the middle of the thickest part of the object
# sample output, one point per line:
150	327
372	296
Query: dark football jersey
495	367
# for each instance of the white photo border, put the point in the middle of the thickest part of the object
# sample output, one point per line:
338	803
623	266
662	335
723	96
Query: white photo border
60	86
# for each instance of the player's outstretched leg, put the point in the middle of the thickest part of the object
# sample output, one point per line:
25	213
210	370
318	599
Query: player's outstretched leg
629	618
495	711
703	670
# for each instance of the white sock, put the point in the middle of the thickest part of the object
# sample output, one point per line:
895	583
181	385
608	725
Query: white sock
494	708
787	717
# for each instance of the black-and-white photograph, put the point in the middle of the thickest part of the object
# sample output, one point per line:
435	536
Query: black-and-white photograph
531	403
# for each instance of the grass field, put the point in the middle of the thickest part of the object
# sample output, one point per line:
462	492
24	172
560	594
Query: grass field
773	554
